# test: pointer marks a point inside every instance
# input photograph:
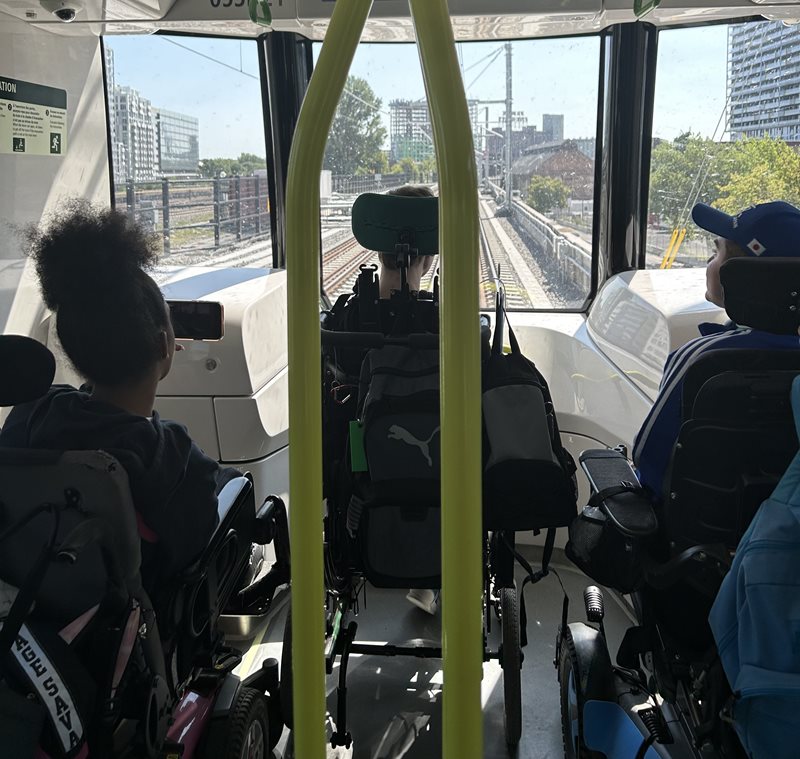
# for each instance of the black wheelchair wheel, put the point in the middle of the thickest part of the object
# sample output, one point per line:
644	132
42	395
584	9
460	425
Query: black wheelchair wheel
285	689
511	662
248	730
577	686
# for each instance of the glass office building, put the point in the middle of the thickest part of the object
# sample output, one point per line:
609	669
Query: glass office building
178	142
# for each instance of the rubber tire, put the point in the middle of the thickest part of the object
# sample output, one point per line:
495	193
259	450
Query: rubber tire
286	691
250	707
511	662
568	666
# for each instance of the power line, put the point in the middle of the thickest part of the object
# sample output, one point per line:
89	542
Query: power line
481	60
495	56
211	58
253	76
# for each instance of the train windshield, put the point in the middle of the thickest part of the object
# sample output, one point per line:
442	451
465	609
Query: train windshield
538	133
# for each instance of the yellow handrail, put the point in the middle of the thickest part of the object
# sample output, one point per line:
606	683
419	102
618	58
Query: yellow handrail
462	563
675	244
668	251
305	412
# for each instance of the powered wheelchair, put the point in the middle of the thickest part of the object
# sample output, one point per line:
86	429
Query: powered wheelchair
380	387
667	694
91	665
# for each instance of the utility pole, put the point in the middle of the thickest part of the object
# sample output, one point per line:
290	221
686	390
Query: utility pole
509	126
486	150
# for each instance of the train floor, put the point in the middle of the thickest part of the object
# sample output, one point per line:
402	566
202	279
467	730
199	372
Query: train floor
394	703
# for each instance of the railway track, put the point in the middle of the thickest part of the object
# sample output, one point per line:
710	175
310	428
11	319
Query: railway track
522	283
340	266
341	262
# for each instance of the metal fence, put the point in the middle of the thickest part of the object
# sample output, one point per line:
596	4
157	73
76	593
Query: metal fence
198	214
572	257
346	184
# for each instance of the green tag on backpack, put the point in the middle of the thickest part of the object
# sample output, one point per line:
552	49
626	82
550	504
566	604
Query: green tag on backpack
358	456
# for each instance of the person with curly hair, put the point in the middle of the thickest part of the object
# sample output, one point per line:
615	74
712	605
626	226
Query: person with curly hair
114	326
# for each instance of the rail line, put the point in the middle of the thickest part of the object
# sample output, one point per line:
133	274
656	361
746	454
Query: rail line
340	265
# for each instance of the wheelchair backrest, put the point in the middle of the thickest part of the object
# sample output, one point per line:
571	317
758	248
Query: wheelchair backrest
28	369
737	439
737	436
79	503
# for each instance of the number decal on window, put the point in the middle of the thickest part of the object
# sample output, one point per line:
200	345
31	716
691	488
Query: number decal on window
240	3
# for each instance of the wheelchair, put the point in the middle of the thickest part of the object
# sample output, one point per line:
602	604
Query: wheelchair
91	665
667	694
388	535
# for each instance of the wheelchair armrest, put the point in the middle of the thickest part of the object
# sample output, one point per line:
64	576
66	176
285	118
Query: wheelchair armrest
626	504
229	495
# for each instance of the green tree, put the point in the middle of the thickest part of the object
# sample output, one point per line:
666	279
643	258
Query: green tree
730	176
249	162
690	169
213	167
356	135
762	170
243	166
429	168
547	193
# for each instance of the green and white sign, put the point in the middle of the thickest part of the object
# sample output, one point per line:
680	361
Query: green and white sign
33	118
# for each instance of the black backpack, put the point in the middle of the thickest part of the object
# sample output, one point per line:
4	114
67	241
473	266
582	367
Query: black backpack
528	476
360	311
395	457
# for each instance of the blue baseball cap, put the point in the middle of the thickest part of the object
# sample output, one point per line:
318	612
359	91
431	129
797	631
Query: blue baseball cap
770	230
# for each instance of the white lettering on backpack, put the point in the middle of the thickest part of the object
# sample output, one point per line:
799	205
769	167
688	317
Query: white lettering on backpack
43	676
396	432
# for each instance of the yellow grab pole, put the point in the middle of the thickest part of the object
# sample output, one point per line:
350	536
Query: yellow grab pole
668	251
305	427
462	638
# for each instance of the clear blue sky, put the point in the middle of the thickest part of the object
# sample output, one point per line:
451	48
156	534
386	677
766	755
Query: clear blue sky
549	76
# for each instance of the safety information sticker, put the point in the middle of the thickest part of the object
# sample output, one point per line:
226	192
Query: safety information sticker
33	118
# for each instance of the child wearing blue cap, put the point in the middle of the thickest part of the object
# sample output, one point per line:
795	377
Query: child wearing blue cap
768	230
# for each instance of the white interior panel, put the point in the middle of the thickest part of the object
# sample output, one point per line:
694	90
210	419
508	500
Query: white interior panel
33	185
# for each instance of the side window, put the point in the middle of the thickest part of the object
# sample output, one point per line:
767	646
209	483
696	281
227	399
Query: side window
727	138
534	141
188	163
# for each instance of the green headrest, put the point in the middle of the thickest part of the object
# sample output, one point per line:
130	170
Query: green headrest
382	221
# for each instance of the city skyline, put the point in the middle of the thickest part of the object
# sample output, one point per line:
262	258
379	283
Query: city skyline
216	80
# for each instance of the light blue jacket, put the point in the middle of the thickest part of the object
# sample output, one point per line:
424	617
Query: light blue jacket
756	621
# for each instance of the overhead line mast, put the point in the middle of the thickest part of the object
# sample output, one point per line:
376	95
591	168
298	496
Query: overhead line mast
508	131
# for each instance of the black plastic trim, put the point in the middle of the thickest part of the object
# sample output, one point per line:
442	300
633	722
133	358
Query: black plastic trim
109	142
627	138
285	60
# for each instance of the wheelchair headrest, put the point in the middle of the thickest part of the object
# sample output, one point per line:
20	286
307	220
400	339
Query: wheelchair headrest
763	293
381	222
99	529
27	369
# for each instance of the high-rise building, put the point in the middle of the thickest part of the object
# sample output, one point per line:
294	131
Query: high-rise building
763	81
119	154
410	133
136	130
553	127
178	143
